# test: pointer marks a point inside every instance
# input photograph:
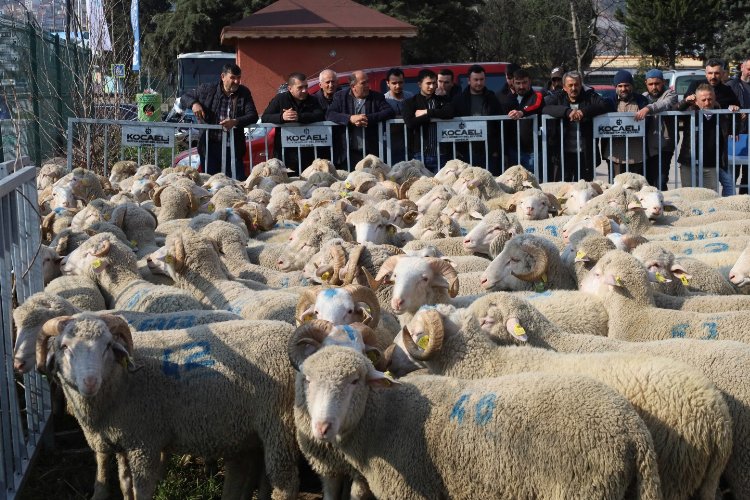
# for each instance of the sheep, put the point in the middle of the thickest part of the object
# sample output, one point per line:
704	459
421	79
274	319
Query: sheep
79	290
340	262
703	277
676	406
30	316
55	222
570	309
453	246
157	408
404	170
122	169
113	266
621	282
303	245
495	224
436	417
192	261
49	174
630	181
431	226
739	274
465	209
450	171
436	198
401	213
528	262
478	181
180	199
577	195
139	226
510	320
517	178
371	224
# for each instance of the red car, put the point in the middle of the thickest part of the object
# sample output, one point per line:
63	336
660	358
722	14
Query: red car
261	140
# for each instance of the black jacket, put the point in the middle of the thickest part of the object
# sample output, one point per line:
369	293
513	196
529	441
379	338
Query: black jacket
725	96
208	96
708	142
531	104
421	126
462	103
376	109
592	104
308	110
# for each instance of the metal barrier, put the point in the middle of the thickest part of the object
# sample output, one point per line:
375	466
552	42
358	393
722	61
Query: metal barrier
25	407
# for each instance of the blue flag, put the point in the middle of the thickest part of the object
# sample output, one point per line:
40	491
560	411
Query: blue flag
136	35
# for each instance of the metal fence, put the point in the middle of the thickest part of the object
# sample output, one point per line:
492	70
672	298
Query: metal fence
613	143
25	407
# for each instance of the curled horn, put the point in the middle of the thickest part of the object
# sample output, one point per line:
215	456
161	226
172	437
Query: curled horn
312	333
444	267
252	182
51	328
371	282
366	295
602	225
322	203
434	328
179	254
156	197
554	204
389	184
371	341
403	190
388	266
193	199
597	187
338	261
307	299
352	266
47	225
119	329
540	263
514	199
103	250
250	224
365	186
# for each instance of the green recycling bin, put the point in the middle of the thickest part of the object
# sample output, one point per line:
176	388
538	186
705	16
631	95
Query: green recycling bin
149	107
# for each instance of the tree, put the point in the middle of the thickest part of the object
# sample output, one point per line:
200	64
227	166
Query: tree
668	29
734	44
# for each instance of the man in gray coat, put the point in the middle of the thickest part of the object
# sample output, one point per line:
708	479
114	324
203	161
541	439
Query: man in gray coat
660	131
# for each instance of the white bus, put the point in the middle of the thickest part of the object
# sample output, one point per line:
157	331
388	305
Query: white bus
195	68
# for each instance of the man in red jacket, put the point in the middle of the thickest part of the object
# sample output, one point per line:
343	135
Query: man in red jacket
519	138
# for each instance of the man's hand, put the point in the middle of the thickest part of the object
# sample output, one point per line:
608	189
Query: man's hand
641	113
733	108
198	112
420	112
576	115
289	115
690	98
228	123
516	114
358	120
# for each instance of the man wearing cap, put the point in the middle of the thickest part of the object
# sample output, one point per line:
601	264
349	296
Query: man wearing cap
660	132
555	80
625	153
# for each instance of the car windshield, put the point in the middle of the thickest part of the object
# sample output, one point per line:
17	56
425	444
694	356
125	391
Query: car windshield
683	82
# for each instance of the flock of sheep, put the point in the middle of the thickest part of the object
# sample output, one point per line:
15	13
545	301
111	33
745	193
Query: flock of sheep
410	335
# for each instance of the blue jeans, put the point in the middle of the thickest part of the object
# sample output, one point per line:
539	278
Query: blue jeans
527	160
430	161
726	179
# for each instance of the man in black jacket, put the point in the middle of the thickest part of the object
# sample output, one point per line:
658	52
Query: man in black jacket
577	108
523	102
293	106
478	100
229	104
361	110
417	112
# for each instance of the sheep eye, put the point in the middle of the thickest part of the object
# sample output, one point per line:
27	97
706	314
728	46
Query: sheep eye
514	259
351	311
355	381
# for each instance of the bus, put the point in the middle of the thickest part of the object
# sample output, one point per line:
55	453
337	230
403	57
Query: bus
195	68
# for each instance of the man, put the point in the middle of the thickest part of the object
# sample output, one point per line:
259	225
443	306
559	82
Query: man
395	97
660	133
361	110
704	98
725	98
230	105
478	100
507	88
625	153
741	87
418	112
523	103
447	85
328	81
576	108
293	106
555	80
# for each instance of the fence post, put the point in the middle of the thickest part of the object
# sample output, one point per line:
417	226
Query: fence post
34	91
58	88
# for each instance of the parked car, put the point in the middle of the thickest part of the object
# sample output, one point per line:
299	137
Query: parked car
680	80
606	91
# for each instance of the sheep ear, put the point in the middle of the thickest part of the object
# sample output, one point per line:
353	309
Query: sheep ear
476	215
516	331
612	280
681	273
376	378
102	248
123	357
668	206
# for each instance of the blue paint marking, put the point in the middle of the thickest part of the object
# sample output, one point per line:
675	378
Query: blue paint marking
237	305
711	210
285	282
674	237
688	251
484	409
459	409
551	229
712	330
530	230
351	332
680	331
546	293
135	298
695	211
200	358
169	323
329	293
688	236
463	231
716	247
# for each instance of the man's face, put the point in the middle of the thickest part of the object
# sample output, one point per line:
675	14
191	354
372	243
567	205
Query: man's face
427	86
361	86
298	89
713	75
328	84
509	80
476	83
445	83
623	90
522	86
655	86
572	87
557	83
704	99
745	71
230	82
396	85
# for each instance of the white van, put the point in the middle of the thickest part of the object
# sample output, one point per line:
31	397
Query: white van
680	80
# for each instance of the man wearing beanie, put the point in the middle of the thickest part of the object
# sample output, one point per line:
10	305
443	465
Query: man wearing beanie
660	133
625	153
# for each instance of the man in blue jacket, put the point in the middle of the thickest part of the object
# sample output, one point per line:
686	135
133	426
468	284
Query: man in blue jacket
229	104
362	110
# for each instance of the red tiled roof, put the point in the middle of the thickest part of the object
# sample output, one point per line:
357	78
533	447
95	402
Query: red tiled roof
318	18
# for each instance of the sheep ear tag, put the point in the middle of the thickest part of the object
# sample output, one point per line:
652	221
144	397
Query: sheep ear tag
423	342
684	280
98	265
540	286
520	333
377	378
661	279
581	256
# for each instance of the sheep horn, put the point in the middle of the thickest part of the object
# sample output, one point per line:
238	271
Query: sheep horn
338	260
539	267
450	274
553	203
247	218
156	197
307	299
371	282
597	187
371	350
311	333
365	186
435	332
388	266
352	266
119	329
363	294
403	190
179	254
51	328
47	225
194	205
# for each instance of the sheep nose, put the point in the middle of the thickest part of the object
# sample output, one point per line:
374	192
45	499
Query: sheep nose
322	428
397	303
89	382
18	365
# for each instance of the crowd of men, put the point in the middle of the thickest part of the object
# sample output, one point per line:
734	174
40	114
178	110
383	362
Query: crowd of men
573	154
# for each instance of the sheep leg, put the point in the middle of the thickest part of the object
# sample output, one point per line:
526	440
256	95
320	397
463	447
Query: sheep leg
145	467
360	490
281	460
240	477
332	487
125	476
101	488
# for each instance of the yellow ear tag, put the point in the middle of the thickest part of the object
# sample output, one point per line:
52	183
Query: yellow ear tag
343	194
389	374
107	216
684	280
423	341
96	264
391	230
580	254
518	330
133	243
326	276
168	259
372	356
618	281
544	278
660	278
210	207
348	185
124	362
307	206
